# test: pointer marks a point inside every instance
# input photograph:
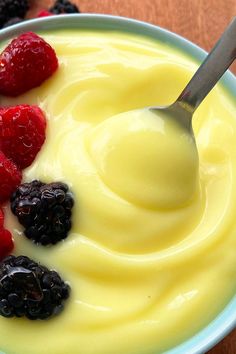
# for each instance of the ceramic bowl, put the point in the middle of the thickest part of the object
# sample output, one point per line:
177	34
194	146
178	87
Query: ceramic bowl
226	320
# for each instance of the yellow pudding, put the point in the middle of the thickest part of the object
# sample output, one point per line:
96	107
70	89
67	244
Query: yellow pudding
151	254
148	158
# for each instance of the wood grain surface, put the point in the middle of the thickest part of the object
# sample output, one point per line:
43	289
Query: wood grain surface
201	21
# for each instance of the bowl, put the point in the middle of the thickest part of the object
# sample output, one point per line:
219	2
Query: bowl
226	320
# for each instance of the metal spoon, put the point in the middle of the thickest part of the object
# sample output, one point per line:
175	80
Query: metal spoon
205	78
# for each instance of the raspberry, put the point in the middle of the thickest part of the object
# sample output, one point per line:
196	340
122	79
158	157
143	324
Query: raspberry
22	133
10	177
6	243
44	210
30	289
26	63
1	218
44	13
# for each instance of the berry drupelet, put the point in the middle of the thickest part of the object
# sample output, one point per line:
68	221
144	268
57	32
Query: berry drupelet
64	7
44	210
30	289
11	9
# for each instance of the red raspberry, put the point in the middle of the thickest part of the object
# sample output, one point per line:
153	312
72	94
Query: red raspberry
44	13
22	133
26	63
6	243
1	218
10	177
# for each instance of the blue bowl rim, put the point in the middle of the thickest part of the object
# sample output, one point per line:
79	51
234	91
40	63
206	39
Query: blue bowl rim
225	322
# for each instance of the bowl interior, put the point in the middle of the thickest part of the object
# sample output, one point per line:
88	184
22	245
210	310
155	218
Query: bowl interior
226	320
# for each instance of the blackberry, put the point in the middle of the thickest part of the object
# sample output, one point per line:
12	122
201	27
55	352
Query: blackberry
12	21
44	210
30	289
64	7
12	8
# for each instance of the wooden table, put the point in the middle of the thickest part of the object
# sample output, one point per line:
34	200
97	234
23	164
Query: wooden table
201	21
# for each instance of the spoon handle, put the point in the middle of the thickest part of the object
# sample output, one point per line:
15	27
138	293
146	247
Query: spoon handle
211	70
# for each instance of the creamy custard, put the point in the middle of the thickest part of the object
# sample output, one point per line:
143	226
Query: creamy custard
146	157
149	263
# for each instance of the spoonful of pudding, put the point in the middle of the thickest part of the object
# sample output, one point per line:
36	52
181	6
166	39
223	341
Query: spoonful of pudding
149	156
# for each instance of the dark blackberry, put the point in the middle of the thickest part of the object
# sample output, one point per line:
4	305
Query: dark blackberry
12	21
44	210
30	289
64	7
12	8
